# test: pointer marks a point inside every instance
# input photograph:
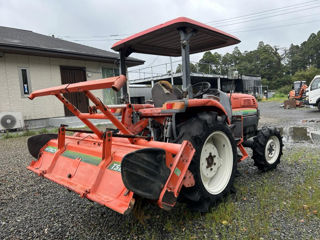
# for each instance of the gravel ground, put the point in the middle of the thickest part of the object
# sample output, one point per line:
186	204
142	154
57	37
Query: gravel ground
35	208
273	114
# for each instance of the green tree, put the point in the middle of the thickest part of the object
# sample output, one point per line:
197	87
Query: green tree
236	56
306	75
305	55
193	68
227	62
276	68
295	59
210	63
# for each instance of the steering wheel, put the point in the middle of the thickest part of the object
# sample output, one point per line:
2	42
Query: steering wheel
200	88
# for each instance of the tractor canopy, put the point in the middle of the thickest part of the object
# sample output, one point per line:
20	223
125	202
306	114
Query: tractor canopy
178	37
164	39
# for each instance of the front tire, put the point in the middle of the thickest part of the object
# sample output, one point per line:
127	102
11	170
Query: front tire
214	163
267	149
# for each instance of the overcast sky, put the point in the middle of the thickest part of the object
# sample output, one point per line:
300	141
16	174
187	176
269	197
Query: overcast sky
100	23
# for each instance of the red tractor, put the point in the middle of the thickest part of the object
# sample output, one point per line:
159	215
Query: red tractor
187	144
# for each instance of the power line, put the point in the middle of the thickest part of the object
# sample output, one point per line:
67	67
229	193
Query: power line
233	29
275	15
94	36
95	40
279	26
153	61
264	12
254	17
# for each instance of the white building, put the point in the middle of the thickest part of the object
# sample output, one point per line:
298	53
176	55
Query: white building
30	61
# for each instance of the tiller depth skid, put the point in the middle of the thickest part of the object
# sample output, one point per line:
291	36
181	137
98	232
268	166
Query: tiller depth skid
110	167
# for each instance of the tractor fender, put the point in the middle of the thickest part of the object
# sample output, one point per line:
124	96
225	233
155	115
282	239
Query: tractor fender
198	105
190	108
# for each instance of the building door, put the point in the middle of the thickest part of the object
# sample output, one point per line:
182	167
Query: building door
78	99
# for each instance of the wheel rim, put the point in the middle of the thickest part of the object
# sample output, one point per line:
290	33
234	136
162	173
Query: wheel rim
272	149
216	162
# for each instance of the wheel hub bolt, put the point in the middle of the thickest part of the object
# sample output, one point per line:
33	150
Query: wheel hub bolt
210	160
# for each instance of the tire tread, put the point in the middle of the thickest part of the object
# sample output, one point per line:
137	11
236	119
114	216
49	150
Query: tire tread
259	144
196	130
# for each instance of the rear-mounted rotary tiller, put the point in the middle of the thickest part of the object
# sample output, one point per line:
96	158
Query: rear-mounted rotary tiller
185	143
108	167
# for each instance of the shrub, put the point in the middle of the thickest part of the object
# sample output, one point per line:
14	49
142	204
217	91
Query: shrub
284	90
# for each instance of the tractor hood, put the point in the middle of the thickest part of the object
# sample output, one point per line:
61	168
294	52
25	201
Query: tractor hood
164	39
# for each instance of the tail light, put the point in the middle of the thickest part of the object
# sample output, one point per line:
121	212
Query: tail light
174	106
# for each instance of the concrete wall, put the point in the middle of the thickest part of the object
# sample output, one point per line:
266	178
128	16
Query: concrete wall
44	72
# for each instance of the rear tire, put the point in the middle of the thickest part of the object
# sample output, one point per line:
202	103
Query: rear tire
267	149
214	163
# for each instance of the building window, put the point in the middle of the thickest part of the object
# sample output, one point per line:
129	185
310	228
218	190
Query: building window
109	95
24	81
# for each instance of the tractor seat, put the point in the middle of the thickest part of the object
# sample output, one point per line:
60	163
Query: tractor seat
222	97
163	91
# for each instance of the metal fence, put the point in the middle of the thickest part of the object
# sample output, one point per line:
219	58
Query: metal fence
165	69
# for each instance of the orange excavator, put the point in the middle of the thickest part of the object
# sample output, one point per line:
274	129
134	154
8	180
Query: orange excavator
297	94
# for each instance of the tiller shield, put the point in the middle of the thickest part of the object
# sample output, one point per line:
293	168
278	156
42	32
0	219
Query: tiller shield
107	167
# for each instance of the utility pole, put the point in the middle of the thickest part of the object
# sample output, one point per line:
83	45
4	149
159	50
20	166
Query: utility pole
171	71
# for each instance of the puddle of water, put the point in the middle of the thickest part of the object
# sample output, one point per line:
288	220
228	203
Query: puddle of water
297	134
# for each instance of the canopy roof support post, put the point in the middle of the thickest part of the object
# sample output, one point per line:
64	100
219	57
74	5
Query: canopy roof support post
185	54
123	71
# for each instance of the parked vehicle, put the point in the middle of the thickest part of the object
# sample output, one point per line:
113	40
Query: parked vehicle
186	144
313	92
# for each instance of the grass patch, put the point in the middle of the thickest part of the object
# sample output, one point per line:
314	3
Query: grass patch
27	133
278	97
307	196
